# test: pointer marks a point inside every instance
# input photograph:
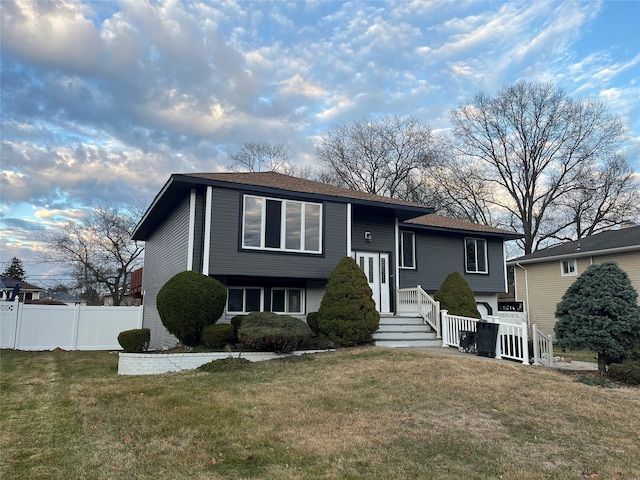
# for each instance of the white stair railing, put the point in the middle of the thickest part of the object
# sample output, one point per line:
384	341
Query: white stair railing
416	301
542	347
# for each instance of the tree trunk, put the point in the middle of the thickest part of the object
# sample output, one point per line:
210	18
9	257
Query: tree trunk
602	364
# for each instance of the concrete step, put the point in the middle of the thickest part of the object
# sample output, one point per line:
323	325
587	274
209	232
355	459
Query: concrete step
408	343
404	328
404	335
401	321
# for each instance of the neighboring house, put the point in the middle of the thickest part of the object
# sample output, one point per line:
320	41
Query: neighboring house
542	277
26	292
66	297
273	240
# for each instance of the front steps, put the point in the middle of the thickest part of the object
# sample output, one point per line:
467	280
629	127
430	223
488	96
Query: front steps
405	332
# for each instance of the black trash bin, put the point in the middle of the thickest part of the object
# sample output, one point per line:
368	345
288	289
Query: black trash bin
467	341
486	338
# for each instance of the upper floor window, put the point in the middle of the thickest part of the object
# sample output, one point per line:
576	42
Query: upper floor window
475	254
273	224
407	249
569	267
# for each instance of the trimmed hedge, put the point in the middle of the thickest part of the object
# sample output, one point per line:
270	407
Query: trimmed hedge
135	341
347	313
627	372
272	332
217	336
188	302
455	296
312	321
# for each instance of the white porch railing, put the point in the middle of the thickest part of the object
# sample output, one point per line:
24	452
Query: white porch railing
512	341
417	301
542	347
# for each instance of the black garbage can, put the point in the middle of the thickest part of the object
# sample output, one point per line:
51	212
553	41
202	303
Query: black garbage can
486	338
467	341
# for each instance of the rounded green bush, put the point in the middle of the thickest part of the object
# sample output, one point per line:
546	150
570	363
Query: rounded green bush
347	313
312	321
135	341
236	322
188	302
217	336
626	372
269	331
455	296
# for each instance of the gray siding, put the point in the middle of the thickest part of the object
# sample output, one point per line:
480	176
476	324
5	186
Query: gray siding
165	255
439	254
228	259
382	230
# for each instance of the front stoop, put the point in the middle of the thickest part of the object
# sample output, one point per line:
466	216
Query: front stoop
405	332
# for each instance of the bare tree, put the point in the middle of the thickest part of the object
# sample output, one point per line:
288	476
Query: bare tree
261	157
384	157
100	251
534	146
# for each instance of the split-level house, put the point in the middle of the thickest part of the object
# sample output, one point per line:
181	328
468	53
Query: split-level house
542	277
273	240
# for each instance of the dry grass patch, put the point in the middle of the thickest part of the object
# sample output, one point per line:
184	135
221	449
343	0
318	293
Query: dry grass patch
365	413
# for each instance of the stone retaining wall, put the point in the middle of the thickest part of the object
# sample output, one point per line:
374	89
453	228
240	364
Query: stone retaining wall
156	363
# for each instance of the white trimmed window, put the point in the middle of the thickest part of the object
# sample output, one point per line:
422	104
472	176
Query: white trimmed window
244	299
407	249
568	268
287	300
287	225
475	255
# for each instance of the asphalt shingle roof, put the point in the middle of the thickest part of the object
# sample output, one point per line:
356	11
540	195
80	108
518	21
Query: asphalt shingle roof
446	223
612	239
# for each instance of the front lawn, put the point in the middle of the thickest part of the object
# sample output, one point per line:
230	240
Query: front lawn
364	413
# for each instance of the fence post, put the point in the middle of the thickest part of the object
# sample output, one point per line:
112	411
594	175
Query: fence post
499	339
445	327
18	310
75	327
525	345
15	320
140	316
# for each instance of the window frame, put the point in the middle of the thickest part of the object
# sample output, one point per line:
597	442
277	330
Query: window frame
569	262
299	210
401	250
244	300
287	291
485	250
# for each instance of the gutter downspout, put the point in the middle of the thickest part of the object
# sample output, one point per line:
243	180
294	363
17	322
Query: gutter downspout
526	292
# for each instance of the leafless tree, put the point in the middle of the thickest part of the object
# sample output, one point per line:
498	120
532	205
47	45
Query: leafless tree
99	250
534	147
385	157
261	157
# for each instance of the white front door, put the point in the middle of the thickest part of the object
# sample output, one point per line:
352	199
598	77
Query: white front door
376	267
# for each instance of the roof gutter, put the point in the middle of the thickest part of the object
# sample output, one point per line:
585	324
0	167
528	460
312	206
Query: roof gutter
576	254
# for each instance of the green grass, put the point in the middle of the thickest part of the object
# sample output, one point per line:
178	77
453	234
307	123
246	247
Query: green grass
576	355
365	413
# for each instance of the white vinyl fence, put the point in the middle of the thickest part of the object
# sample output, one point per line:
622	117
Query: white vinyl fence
512	341
46	327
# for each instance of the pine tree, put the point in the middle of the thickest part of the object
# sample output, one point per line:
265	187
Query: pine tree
347	313
455	296
15	269
600	312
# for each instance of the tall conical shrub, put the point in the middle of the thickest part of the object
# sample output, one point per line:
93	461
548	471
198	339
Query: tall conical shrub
456	296
347	313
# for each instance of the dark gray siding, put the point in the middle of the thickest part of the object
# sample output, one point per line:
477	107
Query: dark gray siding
439	254
165	255
382	230
228	259
198	231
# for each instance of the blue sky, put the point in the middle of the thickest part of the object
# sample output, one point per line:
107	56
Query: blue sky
102	101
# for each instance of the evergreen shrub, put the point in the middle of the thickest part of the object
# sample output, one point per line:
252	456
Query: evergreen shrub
273	332
455	296
217	336
626	372
135	341
188	302
236	322
312	321
600	312
347	313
